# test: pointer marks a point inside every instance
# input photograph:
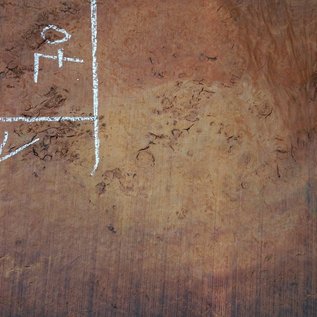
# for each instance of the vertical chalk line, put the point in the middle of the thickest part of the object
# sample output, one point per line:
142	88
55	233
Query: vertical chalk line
18	150
4	142
95	88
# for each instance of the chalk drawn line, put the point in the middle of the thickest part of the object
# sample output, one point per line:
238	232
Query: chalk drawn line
95	82
45	119
4	142
95	89
18	150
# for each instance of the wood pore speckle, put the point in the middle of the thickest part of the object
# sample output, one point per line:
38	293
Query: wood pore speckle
205	199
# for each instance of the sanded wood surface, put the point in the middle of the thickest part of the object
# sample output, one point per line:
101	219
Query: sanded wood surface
205	199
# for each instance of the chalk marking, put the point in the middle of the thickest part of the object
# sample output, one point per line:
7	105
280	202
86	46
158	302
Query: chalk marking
13	153
45	119
60	57
4	142
95	88
66	37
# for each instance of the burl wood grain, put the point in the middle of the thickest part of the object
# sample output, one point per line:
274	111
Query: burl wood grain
205	201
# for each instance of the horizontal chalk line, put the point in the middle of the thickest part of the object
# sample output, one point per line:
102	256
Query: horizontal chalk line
46	119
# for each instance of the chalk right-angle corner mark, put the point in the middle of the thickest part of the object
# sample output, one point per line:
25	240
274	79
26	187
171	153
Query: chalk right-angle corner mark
61	59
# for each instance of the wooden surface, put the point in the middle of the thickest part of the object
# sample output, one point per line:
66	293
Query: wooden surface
205	200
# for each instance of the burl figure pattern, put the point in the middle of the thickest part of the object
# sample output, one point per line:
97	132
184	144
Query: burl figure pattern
205	199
